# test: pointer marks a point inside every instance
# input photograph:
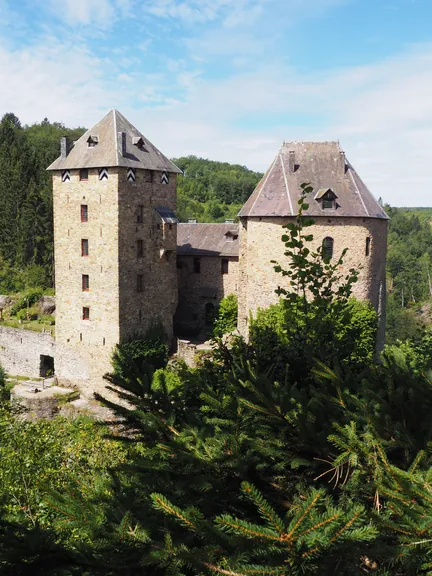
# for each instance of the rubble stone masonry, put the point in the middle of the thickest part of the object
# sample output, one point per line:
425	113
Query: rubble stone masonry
210	285
260	242
117	309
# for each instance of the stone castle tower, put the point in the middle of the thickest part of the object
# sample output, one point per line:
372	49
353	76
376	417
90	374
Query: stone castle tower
115	234
345	213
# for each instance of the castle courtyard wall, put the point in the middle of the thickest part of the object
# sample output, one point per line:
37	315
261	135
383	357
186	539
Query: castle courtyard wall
260	242
21	350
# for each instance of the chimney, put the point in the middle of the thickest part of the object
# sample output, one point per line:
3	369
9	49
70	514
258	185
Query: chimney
64	146
121	143
343	166
291	161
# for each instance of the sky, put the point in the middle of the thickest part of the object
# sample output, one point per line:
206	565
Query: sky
232	79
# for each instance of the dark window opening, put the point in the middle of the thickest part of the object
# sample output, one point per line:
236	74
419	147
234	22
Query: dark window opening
170	226
158	226
80	337
84	213
46	366
103	342
84	247
139	283
368	243
140	248
327	248
86	313
224	266
85	283
140	214
197	265
327	203
84	174
209	313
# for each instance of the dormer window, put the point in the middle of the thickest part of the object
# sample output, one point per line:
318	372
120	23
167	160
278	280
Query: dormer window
327	198
138	141
92	140
231	235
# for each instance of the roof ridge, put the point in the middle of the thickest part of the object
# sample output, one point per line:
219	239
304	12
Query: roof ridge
286	184
115	134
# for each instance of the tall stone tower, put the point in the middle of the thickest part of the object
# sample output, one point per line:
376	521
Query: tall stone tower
345	213
115	235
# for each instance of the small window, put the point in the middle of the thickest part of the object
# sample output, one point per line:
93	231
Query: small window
210	312
368	243
85	283
140	248
84	174
197	265
139	283
224	266
158	226
84	213
140	214
86	313
84	247
327	203
327	248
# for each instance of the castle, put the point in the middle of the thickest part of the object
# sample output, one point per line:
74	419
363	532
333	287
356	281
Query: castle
124	262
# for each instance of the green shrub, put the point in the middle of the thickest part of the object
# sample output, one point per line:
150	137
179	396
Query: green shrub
28	313
150	349
226	317
27	299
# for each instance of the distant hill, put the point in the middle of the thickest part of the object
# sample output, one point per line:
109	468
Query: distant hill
212	191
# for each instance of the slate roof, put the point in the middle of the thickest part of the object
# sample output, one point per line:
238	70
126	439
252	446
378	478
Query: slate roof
207	240
108	150
323	165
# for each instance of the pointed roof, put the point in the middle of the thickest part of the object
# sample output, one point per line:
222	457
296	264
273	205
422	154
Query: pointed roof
114	141
321	164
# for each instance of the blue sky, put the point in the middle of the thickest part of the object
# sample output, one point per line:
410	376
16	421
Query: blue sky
231	79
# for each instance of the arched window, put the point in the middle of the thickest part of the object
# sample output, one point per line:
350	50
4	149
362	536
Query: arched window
210	311
327	248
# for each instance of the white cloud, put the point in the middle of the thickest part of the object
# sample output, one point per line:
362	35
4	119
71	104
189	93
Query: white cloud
102	13
382	113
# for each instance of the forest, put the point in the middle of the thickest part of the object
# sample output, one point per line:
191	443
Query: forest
298	452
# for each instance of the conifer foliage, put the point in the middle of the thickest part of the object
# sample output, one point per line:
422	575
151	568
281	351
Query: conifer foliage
305	456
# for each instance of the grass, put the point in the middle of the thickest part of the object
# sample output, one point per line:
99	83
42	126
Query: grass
30	325
23	378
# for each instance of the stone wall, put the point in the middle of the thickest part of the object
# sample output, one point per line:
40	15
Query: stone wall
21	350
197	290
117	309
260	242
91	341
157	265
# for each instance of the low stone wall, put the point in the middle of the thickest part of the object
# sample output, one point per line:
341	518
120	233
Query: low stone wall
21	350
186	351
